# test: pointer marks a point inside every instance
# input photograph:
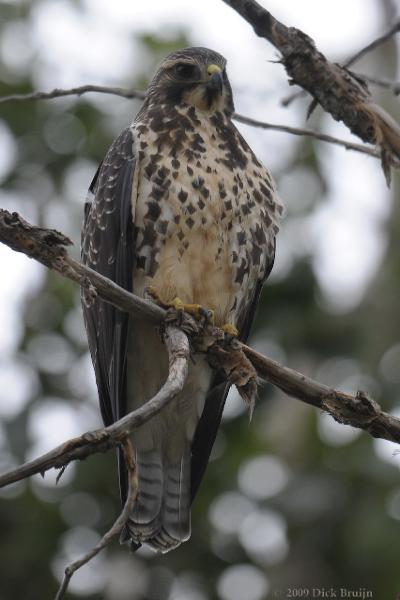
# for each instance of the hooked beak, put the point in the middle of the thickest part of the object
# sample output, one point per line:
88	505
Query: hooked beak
215	81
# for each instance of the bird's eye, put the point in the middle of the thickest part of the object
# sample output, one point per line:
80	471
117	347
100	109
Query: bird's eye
185	70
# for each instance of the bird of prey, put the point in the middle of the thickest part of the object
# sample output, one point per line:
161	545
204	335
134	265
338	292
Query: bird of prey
180	205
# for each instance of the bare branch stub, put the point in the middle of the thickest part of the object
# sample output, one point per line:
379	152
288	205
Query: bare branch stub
339	91
44	245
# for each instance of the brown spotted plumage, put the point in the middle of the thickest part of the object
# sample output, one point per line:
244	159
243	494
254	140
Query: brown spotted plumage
180	204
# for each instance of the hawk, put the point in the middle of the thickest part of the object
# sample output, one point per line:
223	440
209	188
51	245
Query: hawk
181	205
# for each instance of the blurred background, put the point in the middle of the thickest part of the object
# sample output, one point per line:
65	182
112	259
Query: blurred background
292	500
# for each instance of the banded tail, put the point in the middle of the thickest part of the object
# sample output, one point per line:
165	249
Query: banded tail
161	516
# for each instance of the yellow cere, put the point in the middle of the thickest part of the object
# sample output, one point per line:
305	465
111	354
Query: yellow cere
211	69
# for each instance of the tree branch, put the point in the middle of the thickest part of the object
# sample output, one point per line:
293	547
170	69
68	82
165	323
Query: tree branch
357	410
347	98
101	440
323	137
339	91
118	525
392	85
131	93
48	246
75	91
395	28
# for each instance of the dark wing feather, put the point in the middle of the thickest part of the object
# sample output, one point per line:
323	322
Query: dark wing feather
210	420
107	246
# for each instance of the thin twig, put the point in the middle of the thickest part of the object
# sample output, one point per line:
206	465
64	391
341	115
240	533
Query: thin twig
395	28
310	133
390	84
118	525
75	91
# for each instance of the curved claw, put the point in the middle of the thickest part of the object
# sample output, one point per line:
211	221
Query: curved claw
195	310
230	330
154	294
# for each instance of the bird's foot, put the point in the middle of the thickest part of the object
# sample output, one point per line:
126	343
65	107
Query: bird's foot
230	330
197	311
154	294
204	315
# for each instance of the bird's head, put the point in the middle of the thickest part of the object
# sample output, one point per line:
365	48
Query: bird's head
193	76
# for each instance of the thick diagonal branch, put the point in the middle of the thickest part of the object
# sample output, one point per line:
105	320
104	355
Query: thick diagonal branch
339	91
103	439
392	85
48	246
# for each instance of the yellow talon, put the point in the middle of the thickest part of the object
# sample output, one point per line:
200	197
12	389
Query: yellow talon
196	310
153	293
177	304
230	329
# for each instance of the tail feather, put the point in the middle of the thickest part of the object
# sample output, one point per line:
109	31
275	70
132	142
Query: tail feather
176	499
163	542
146	512
161	516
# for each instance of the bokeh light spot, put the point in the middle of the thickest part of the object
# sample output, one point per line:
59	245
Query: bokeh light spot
242	582
263	477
